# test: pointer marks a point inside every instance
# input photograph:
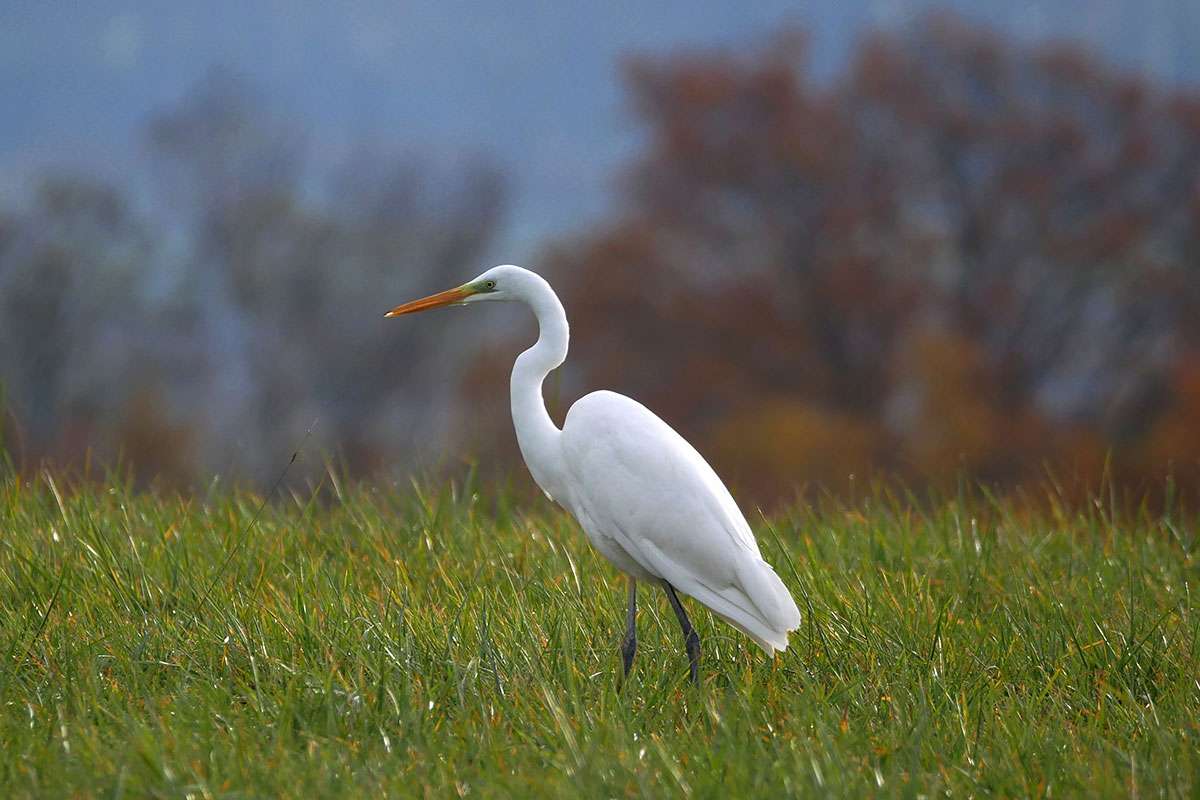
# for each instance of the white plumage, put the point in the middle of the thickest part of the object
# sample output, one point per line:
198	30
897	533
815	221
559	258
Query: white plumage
645	498
654	507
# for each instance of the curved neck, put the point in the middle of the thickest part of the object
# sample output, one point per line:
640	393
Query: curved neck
537	434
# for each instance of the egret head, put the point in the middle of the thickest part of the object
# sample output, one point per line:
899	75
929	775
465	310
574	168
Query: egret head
498	283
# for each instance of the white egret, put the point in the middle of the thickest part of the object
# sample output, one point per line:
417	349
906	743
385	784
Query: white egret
645	498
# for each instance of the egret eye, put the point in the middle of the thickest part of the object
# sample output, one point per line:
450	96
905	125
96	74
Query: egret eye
489	284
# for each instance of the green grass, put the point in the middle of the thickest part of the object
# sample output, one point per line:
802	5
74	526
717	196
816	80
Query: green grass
443	642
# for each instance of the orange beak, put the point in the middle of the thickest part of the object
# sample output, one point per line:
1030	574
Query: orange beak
446	298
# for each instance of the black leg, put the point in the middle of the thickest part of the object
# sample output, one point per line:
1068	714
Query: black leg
629	644
691	640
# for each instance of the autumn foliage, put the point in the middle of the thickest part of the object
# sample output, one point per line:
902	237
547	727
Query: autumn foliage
963	257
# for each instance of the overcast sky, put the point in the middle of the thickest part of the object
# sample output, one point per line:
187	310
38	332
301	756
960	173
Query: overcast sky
533	85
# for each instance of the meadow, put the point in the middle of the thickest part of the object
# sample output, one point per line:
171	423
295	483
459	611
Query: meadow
441	640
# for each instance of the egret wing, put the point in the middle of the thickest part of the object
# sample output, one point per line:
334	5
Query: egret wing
637	481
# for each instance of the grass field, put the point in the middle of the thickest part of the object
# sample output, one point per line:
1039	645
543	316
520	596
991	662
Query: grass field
444	642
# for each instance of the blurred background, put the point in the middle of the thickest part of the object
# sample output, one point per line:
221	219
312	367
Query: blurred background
824	240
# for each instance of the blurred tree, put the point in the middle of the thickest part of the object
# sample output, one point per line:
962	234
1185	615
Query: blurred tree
251	314
73	270
964	255
285	283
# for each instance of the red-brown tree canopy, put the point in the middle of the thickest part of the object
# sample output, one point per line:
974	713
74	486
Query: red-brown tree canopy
963	256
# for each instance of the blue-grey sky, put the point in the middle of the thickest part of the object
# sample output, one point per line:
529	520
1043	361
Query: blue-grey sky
533	85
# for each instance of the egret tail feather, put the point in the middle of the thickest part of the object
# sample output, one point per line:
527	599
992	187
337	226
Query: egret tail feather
768	593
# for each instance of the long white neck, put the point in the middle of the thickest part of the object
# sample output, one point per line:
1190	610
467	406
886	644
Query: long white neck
537	434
